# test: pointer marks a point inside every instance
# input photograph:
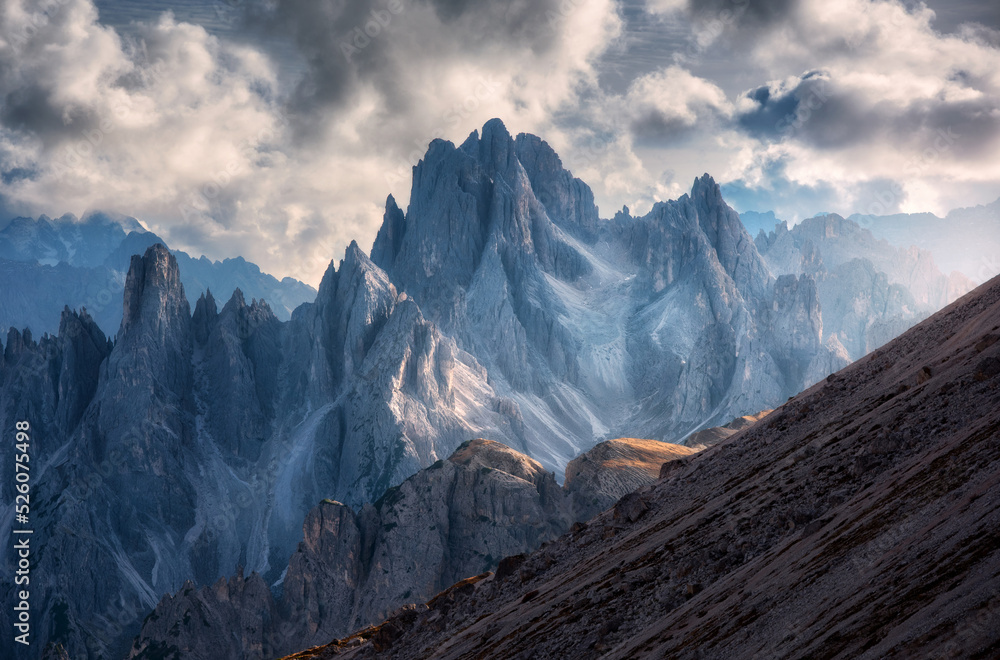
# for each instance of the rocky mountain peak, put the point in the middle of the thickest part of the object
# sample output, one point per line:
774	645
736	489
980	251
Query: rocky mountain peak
390	235
16	343
705	187
526	319
725	231
493	455
568	201
206	313
153	290
237	301
256	313
355	259
496	148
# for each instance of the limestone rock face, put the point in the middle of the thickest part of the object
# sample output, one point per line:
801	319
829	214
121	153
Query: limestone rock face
654	326
455	519
243	607
855	521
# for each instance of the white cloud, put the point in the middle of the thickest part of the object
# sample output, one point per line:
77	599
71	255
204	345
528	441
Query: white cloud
190	133
900	102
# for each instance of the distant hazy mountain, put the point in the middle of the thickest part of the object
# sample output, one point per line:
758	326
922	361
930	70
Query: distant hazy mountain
967	240
48	264
869	290
499	306
757	222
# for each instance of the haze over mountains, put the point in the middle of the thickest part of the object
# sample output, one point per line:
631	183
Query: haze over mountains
859	520
966	240
498	306
48	264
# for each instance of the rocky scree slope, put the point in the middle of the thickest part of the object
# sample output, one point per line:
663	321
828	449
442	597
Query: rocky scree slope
453	519
859	520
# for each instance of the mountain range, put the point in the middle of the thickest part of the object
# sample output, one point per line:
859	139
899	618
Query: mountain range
859	520
965	240
193	444
48	264
353	568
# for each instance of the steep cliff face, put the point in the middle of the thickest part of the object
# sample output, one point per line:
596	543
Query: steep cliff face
856	521
144	452
576	319
456	518
112	429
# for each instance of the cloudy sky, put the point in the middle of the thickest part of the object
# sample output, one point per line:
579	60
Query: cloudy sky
275	129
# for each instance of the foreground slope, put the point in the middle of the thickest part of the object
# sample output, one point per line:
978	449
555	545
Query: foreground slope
859	520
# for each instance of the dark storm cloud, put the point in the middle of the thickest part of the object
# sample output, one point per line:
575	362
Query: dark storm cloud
520	23
755	13
347	42
950	14
30	108
814	110
325	33
18	174
823	114
966	129
771	110
26	102
657	129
